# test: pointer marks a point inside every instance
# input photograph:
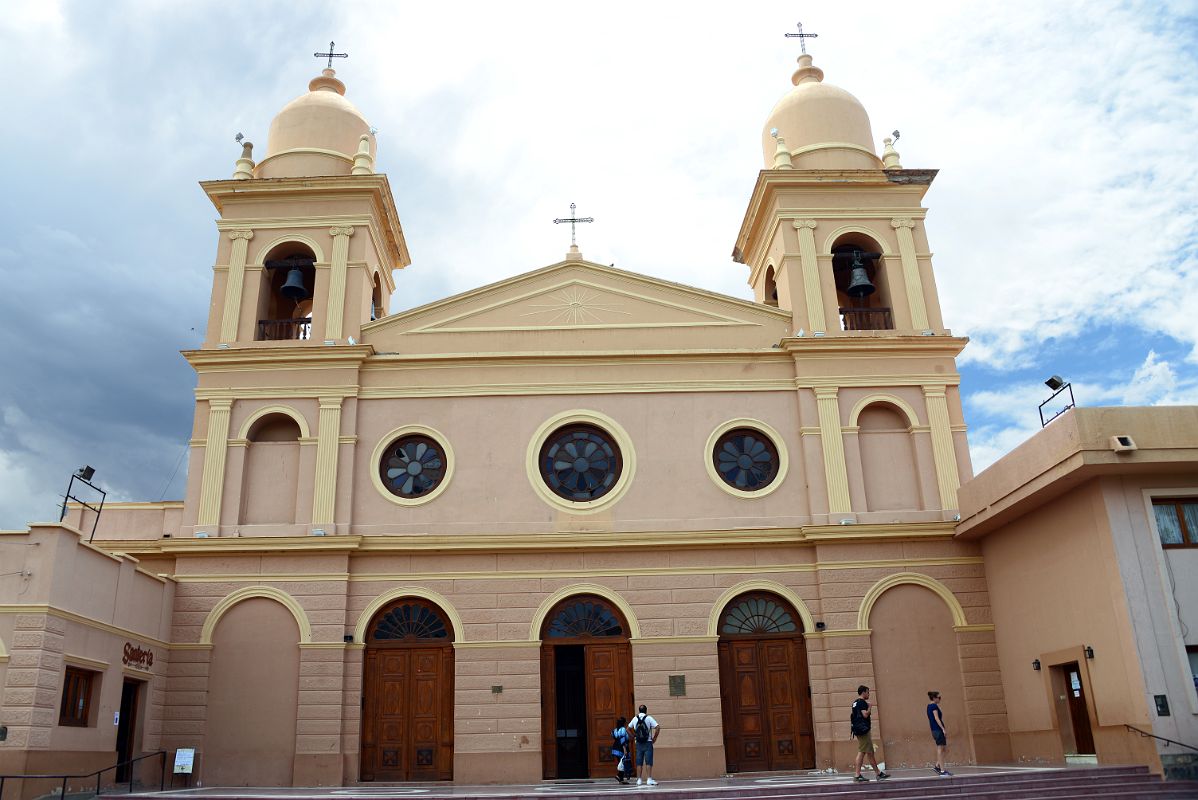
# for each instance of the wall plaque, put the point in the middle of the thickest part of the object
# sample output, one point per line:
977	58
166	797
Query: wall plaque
677	686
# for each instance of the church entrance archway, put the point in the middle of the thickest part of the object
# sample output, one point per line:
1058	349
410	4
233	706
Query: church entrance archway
763	686
407	712
586	685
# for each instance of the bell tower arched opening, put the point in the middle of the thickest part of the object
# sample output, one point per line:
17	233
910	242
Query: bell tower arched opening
862	290
764	686
285	296
407	694
770	292
586	685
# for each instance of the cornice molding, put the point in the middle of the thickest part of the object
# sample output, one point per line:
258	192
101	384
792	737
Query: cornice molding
218	359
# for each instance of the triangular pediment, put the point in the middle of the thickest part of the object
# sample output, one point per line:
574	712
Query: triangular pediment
577	305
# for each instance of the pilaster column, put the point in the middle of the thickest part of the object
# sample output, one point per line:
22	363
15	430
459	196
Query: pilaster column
234	284
833	443
919	310
335	317
945	455
328	431
212	481
812	290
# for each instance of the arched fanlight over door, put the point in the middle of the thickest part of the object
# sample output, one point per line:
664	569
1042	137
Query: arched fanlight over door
757	615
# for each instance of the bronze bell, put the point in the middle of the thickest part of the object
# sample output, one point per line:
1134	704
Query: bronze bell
859	285
294	286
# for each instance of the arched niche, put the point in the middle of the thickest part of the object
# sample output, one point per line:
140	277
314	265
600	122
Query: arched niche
270	475
890	468
269	592
900	578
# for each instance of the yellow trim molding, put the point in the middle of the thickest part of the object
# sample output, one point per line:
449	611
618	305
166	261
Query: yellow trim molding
307	241
580	416
899	578
758	585
247	593
388	440
86	663
377	604
763	427
286	411
538	619
71	616
897	402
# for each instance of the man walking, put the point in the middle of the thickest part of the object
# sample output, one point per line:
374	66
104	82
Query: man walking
645	730
861	726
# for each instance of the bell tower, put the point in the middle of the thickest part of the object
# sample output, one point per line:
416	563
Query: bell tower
835	235
309	235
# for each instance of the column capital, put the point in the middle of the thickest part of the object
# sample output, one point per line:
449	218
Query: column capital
215	403
804	223
241	234
341	230
934	389
823	392
902	222
331	402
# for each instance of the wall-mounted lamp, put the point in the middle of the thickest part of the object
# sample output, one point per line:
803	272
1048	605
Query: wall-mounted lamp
348	638
1058	385
819	626
1089	651
1036	664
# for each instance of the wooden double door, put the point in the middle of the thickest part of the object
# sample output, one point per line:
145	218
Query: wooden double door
407	697
766	704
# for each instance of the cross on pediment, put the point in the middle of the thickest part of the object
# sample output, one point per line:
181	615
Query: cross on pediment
573	220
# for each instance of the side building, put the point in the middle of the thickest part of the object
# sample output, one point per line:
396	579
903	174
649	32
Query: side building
457	542
1089	531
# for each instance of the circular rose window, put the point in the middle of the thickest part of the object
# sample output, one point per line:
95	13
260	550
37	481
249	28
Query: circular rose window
580	462
412	466
745	459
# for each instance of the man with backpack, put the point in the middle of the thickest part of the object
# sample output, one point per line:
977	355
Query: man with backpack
861	724
644	730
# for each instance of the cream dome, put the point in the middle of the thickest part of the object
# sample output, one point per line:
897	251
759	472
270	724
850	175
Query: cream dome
315	134
824	126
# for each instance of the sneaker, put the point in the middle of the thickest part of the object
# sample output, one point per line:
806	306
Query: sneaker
883	775
945	773
861	779
639	781
936	770
651	782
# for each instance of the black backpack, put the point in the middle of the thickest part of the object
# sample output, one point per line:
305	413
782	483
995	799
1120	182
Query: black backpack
858	722
642	729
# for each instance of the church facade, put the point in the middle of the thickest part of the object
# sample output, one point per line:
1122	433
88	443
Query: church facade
459	541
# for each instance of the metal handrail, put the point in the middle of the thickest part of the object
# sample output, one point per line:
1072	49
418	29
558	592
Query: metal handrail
1162	738
98	773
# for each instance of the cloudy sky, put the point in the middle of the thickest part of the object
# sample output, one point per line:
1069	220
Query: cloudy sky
1064	220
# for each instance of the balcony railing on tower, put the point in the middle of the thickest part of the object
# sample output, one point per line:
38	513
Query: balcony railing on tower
866	319
274	330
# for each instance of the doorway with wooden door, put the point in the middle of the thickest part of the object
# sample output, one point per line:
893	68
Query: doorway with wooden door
765	695
1077	736
407	694
586	685
127	739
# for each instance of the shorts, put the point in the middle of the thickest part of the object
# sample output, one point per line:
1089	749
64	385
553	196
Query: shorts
865	743
939	739
644	753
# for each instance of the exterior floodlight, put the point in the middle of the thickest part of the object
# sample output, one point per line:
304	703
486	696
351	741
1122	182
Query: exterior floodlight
85	472
1058	385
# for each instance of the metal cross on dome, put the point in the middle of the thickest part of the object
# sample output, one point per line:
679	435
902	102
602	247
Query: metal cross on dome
572	220
802	37
331	55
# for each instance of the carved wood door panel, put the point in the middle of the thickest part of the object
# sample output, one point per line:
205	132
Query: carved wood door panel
767	712
608	696
407	731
